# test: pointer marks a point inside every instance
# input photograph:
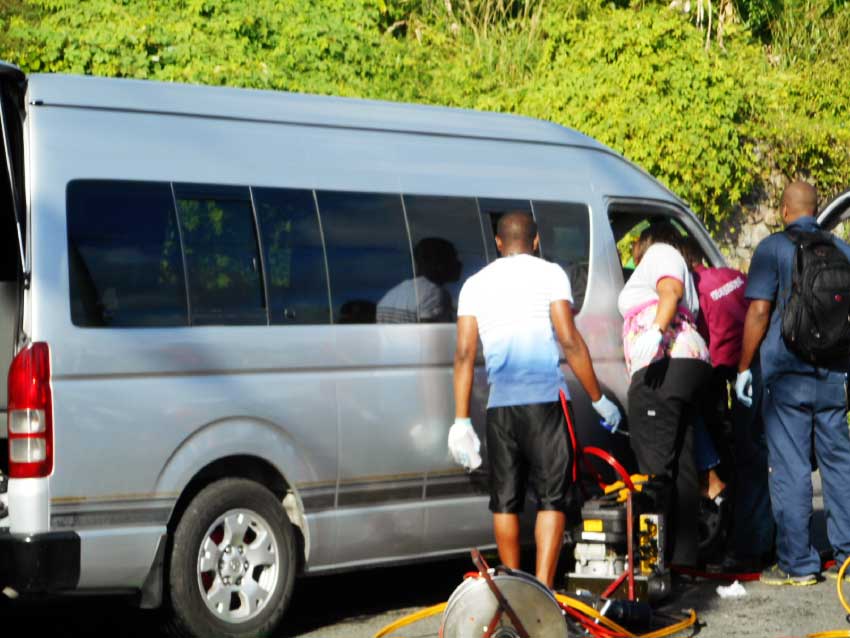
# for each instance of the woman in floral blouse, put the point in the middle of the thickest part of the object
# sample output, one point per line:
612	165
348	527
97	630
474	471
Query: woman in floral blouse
668	362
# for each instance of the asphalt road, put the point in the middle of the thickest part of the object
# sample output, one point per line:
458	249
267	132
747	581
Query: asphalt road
357	605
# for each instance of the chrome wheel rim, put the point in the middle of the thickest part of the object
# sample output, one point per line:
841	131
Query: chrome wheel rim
238	566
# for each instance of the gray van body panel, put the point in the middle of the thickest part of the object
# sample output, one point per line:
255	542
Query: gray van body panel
354	417
293	108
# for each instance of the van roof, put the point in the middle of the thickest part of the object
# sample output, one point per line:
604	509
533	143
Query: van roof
294	108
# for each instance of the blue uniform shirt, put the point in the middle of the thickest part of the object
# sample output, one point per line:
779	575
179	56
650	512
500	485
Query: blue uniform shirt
771	271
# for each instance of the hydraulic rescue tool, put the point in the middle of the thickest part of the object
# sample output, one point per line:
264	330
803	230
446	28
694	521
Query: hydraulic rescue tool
621	537
621	540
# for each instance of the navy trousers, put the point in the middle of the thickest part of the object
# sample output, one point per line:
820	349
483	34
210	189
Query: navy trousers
754	529
794	406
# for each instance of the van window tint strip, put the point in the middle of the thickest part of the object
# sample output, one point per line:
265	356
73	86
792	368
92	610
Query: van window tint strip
222	255
447	249
369	258
124	257
564	230
293	255
156	254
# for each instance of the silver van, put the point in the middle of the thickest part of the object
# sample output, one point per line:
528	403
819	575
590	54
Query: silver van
227	318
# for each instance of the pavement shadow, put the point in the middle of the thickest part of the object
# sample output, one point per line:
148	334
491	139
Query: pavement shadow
318	603
324	601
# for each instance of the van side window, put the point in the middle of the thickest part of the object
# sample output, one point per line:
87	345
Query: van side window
448	247
221	255
564	230
293	255
124	255
368	253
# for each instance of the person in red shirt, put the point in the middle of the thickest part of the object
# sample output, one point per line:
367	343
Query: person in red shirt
723	308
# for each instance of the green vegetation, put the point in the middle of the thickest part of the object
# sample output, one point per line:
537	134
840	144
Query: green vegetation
711	122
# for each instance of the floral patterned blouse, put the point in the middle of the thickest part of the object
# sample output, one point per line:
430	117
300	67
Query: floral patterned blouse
638	304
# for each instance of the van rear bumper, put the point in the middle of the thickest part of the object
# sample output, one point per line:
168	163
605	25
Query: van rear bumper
39	563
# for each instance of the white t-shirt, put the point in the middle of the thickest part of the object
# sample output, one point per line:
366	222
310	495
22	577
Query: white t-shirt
510	300
659	261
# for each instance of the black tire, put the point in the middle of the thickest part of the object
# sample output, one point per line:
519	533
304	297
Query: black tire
190	614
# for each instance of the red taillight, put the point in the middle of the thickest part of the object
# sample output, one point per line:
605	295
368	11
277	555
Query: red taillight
30	414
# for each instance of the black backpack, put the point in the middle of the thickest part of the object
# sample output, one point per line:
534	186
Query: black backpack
816	317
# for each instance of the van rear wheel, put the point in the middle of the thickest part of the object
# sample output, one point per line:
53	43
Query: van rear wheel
232	562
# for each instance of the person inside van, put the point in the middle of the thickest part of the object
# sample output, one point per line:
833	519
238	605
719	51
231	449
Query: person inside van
425	297
723	309
668	363
520	305
720	322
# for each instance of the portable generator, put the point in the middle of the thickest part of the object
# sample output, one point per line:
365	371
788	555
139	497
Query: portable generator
620	534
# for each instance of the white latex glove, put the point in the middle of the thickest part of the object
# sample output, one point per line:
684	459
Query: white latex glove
464	444
609	412
744	388
646	347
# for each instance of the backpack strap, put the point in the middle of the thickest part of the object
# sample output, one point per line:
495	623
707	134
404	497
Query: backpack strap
804	237
799	238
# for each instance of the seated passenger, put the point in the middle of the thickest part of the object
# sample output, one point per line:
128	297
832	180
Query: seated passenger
437	264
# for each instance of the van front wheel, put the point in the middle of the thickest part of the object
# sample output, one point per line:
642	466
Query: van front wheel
232	562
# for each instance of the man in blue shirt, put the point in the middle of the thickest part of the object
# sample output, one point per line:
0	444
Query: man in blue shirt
799	398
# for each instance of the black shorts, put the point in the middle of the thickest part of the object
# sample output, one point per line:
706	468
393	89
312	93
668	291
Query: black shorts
528	445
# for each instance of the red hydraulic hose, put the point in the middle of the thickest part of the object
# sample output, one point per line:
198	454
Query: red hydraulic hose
580	452
571	430
727	576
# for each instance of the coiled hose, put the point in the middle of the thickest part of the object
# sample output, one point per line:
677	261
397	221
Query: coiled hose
595	623
603	627
838	633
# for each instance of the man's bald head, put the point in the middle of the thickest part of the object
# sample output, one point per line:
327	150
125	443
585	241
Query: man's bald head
516	232
799	199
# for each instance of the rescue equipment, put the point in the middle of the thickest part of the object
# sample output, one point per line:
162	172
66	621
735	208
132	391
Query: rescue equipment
502	602
611	549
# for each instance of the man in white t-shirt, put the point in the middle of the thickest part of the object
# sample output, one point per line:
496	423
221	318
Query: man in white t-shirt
519	305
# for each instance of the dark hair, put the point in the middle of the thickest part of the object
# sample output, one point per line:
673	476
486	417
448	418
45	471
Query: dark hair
437	260
517	226
691	251
659	231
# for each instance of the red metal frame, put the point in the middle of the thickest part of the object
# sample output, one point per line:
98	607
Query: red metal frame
504	605
583	454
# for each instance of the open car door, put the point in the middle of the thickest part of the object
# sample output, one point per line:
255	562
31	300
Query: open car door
835	212
12	87
13	266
